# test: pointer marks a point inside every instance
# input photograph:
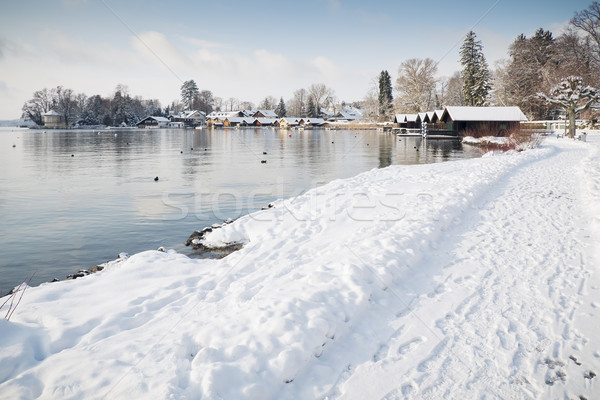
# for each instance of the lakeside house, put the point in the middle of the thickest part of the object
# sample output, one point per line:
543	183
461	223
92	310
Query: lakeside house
188	119
54	120
460	121
154	122
495	121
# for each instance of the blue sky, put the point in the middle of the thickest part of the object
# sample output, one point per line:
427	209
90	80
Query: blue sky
246	50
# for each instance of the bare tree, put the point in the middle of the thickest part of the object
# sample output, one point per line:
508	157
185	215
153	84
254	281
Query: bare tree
231	104
371	101
416	85
66	104
321	95
297	105
268	103
589	21
247	105
454	92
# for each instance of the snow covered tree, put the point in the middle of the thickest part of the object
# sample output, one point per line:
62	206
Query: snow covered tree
416	85
475	73
41	103
385	97
280	110
574	97
189	92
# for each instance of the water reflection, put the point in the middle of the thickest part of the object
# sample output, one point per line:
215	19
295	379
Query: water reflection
73	199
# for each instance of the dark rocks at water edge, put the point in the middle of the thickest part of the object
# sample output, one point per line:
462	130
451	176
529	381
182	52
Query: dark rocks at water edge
96	268
195	240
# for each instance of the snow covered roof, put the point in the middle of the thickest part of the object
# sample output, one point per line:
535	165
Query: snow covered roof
422	116
399	118
412	118
224	114
350	113
266	121
239	120
290	120
49	113
315	121
267	113
455	113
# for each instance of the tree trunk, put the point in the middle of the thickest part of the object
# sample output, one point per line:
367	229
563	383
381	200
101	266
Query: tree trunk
571	123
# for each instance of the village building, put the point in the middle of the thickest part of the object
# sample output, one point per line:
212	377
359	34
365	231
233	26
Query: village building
153	122
264	121
238	121
312	121
54	120
265	114
348	114
486	121
190	119
288	122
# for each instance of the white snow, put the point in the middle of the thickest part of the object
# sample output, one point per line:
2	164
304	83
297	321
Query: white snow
467	279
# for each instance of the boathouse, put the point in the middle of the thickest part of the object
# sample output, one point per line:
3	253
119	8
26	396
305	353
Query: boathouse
153	122
482	121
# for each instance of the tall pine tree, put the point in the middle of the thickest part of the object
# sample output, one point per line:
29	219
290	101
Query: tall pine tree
475	73
385	95
280	110
189	92
312	111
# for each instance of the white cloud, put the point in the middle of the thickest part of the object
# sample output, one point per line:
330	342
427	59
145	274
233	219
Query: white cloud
248	74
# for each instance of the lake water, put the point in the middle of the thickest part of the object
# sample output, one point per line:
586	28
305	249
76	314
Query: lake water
74	199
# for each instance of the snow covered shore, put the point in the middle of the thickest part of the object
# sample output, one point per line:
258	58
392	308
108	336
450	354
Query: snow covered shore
468	279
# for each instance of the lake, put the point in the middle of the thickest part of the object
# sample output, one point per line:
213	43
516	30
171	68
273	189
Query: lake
70	200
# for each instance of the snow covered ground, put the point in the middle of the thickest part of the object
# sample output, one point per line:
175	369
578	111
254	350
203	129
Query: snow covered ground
468	279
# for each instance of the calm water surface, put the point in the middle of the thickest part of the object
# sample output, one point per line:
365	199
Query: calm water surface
74	199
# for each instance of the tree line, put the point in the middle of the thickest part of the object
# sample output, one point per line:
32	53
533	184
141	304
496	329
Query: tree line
535	66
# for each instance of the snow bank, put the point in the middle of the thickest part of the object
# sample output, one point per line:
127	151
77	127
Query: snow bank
280	318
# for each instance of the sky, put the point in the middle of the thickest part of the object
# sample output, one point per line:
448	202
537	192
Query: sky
246	50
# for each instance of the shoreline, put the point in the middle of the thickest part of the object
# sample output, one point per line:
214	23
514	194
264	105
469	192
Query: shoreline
393	272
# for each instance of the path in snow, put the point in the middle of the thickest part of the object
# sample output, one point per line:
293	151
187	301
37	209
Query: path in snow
511	315
469	279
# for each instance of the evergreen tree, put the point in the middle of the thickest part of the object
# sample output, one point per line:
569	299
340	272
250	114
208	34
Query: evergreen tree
280	110
311	111
385	95
189	92
476	75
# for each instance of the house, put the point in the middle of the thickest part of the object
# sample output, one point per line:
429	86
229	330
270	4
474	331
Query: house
413	121
189	118
348	114
238	121
288	122
54	120
264	121
312	121
482	121
224	114
265	114
153	122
